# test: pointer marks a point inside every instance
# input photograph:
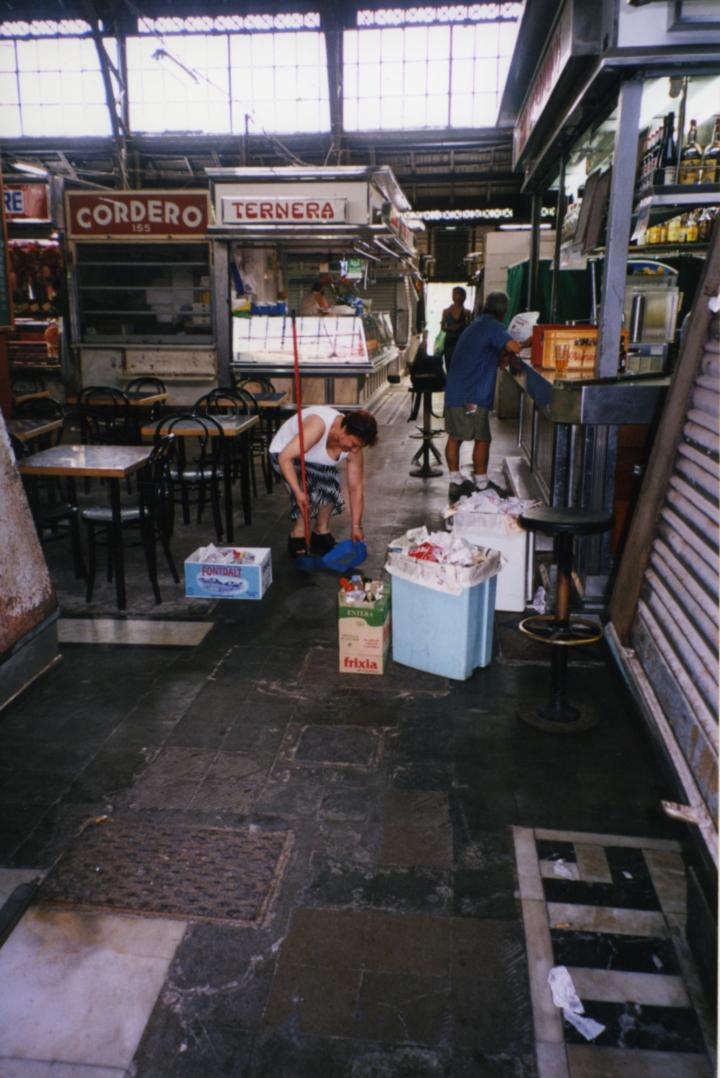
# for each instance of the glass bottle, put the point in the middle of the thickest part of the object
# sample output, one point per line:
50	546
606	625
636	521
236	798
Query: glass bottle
691	157
668	152
711	157
705	225
691	234
674	230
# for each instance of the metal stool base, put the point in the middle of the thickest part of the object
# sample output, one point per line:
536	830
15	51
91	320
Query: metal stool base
559	717
575	632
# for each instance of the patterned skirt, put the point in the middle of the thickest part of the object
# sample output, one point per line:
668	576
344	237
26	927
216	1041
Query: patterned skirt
323	486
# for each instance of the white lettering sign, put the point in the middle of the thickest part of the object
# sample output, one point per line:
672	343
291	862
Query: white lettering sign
294	211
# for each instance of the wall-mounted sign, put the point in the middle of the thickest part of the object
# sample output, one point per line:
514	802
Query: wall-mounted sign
394	220
26	200
557	53
137	214
286	210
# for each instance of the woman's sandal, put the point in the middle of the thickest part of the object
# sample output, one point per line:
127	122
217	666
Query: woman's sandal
297	547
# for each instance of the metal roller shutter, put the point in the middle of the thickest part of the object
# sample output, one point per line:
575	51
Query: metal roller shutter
675	632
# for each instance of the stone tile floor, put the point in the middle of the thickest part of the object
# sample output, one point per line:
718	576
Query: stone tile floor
395	942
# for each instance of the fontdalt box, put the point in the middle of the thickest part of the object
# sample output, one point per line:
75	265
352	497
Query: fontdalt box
364	634
247	576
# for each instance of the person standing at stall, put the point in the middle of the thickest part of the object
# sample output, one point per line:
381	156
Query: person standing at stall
329	437
316	302
454	320
469	394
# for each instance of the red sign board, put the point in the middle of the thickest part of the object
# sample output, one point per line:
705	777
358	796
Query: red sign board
136	214
552	65
26	200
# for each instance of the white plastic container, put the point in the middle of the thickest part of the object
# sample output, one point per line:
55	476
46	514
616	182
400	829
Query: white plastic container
500	532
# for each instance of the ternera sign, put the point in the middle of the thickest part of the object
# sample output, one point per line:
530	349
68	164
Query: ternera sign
287	210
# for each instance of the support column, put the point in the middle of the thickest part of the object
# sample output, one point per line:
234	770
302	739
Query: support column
534	266
618	228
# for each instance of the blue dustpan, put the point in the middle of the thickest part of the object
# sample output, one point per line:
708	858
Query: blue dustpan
343	556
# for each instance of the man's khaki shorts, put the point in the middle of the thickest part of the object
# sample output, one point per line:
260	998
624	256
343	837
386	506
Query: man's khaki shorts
468	428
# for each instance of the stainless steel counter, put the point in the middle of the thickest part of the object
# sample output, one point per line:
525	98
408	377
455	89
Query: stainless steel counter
626	399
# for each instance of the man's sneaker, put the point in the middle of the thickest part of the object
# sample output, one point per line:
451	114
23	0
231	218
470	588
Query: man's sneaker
500	491
460	490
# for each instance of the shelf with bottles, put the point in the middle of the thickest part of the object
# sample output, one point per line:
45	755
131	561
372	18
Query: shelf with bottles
690	230
673	174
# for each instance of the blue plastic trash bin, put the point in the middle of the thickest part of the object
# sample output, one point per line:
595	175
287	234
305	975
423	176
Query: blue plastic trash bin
440	633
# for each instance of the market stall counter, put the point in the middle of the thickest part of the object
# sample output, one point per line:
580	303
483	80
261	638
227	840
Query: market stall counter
343	358
570	419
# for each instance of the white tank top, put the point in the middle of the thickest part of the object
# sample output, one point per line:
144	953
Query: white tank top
317	454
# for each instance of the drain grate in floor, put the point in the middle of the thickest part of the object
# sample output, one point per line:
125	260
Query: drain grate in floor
189	873
611	910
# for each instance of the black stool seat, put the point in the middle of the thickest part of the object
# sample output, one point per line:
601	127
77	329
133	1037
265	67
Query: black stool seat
562	630
553	521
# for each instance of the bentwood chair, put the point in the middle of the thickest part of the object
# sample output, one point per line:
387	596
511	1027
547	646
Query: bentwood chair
236	401
151	385
153	516
55	514
109	410
198	466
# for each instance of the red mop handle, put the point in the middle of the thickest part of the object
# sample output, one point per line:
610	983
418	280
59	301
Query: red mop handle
301	434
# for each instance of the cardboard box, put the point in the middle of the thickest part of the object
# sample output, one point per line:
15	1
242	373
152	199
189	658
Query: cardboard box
248	579
364	635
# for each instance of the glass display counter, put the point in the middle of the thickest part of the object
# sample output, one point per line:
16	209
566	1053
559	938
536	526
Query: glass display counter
343	358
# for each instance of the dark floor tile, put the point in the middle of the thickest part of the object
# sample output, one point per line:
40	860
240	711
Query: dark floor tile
407	944
347	804
337	745
405	1008
391	1061
17	822
596	950
417	844
550	850
322	937
339	883
289	1055
191	1050
421	776
490	1016
486	892
416	889
489	1065
489	949
313	999
637	1026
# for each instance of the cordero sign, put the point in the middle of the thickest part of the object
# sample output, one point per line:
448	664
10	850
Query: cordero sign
139	214
274	210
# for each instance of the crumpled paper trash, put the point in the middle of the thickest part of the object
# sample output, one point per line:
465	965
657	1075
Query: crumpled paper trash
464	563
491	505
565	997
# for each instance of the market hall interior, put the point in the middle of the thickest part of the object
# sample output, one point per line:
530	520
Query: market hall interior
222	856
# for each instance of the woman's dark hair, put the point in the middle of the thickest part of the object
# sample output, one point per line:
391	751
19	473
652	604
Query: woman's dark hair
463	293
496	304
363	425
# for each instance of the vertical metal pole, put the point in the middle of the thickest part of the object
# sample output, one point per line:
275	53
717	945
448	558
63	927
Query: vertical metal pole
559	215
534	266
221	309
618	228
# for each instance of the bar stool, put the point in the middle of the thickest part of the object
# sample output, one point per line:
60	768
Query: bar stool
562	630
426	470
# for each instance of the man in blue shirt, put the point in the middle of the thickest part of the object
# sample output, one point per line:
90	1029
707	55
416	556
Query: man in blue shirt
470	391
